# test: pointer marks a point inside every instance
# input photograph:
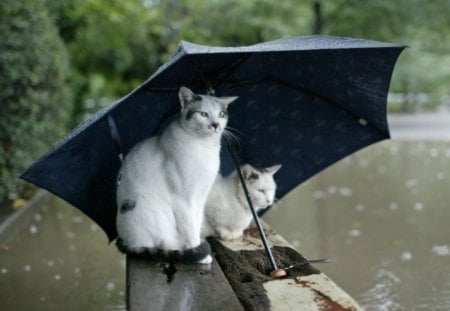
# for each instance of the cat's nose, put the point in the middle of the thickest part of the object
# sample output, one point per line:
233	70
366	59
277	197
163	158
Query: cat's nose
215	125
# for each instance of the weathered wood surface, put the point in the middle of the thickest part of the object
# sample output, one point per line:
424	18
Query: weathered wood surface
159	286
238	279
247	268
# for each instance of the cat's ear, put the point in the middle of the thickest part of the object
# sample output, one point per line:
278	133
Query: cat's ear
228	100
273	169
186	96
249	172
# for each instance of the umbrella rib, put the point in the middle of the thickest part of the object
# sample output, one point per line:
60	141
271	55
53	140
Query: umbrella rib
232	67
327	100
303	89
226	70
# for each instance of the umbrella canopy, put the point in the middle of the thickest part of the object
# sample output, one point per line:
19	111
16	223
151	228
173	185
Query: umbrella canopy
303	102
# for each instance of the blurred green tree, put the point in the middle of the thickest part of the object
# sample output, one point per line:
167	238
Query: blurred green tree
113	46
33	94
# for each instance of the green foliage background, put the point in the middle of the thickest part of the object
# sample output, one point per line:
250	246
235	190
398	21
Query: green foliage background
33	90
62	60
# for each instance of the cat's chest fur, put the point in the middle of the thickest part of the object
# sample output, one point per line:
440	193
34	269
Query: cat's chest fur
184	158
188	158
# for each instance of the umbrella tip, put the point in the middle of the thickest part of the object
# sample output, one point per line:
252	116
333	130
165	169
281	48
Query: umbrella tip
278	273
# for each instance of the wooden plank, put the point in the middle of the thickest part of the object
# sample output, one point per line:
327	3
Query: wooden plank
159	286
244	269
247	268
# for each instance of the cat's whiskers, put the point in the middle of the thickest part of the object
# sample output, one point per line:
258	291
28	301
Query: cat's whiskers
232	129
230	138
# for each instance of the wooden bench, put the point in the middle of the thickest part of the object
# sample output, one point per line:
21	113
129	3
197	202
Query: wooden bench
238	279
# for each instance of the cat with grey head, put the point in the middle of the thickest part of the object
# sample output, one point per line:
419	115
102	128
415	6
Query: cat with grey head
165	180
227	213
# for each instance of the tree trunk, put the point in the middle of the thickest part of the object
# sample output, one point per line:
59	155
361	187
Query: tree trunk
318	18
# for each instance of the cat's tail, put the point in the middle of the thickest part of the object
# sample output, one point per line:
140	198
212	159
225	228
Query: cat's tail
199	254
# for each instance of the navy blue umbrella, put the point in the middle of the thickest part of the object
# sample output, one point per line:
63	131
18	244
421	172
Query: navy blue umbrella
303	102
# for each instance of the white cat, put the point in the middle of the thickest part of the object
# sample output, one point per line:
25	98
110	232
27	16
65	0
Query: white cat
165	180
227	212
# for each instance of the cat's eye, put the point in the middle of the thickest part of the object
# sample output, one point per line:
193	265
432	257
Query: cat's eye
222	114
203	114
262	191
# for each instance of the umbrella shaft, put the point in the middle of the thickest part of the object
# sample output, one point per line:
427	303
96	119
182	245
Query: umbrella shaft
252	209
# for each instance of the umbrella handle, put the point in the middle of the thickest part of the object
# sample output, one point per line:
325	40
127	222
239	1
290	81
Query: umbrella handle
277	272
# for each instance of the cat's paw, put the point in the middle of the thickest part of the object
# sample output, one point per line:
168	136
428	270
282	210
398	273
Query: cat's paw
226	237
236	235
230	235
207	260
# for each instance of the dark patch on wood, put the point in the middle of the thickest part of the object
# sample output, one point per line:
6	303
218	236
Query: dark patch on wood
169	269
127	206
253	232
247	271
323	301
193	287
327	304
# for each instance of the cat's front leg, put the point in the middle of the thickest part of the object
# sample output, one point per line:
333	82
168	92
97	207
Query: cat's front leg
228	235
187	226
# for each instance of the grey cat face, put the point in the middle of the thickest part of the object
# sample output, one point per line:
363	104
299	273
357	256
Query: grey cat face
203	114
260	184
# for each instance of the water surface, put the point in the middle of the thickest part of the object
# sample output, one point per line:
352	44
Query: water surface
60	260
383	216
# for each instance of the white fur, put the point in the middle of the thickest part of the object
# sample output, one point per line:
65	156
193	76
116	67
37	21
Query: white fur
227	212
169	177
